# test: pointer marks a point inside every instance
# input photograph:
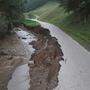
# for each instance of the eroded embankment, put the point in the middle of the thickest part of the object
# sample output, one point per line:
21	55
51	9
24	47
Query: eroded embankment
21	78
12	54
44	71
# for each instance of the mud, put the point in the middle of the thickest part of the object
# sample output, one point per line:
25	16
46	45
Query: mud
12	54
44	72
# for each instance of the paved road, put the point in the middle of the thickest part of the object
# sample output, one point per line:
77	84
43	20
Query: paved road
75	71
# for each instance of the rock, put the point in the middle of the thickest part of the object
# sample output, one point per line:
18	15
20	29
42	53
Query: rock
10	58
24	38
47	62
31	64
3	53
12	54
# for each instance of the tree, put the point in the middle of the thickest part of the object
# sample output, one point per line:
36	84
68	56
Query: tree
12	10
80	8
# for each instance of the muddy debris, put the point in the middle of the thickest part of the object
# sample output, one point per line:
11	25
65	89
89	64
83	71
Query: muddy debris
12	54
45	69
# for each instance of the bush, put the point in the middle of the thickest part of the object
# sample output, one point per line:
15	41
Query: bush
3	26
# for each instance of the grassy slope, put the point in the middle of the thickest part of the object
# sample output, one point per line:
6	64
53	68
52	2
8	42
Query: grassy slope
51	12
30	23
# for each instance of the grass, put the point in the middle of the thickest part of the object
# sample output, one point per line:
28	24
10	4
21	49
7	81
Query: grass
52	13
30	23
46	9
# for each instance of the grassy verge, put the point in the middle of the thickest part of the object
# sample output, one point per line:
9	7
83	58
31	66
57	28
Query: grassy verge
30	23
51	12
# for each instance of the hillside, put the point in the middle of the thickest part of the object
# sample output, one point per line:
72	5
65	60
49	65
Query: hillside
51	12
33	4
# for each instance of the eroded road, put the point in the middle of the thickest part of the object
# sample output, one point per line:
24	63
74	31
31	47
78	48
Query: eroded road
75	71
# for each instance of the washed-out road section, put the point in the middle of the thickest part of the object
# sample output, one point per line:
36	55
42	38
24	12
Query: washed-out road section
75	70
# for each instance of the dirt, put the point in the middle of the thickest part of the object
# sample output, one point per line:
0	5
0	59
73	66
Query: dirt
12	54
44	72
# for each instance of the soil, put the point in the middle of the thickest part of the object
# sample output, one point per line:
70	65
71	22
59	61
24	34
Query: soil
44	72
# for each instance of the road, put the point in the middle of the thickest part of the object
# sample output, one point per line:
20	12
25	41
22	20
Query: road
75	70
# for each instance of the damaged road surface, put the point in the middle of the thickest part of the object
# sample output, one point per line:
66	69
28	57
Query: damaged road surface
44	72
75	71
37	67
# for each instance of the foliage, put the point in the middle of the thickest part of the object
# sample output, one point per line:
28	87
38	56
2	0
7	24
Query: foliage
12	10
80	8
57	16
